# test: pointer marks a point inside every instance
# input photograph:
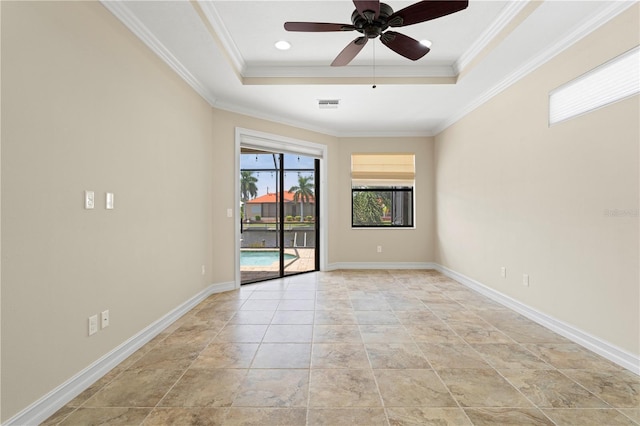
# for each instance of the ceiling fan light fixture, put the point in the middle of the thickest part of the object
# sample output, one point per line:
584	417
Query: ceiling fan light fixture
282	45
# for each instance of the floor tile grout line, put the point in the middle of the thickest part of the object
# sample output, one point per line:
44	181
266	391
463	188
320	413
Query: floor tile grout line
383	290
313	328
442	380
525	396
584	387
443	383
190	364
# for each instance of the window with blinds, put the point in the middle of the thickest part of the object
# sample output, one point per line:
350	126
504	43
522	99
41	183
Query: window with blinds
610	82
382	190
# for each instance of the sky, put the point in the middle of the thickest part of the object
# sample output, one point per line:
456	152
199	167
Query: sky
267	179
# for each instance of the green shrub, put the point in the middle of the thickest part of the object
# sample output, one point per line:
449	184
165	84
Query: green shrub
297	218
289	218
308	218
258	218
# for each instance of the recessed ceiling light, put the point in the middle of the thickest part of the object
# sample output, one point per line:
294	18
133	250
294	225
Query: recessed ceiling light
283	45
426	43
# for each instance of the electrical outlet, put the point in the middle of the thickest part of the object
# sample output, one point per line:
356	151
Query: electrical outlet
379	249
525	280
503	272
93	324
104	316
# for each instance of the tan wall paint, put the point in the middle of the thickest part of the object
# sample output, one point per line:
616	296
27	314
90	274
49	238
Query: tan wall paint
398	245
513	192
224	162
90	107
85	105
0	215
345	244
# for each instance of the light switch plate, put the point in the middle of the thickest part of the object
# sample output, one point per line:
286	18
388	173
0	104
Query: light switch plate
93	324
109	199
89	199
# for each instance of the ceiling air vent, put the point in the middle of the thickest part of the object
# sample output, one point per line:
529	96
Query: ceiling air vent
328	103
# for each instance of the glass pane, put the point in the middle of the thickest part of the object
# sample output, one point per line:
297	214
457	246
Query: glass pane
300	214
382	207
260	243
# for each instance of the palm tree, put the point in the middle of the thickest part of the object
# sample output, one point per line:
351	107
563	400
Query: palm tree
248	187
303	192
368	208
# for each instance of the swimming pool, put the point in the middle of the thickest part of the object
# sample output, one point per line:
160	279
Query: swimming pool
262	258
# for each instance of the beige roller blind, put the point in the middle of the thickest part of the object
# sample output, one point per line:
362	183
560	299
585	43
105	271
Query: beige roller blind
383	169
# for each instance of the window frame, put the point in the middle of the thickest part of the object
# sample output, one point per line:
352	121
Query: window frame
606	84
393	190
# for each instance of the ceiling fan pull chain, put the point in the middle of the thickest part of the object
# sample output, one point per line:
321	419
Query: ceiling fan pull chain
374	65
372	18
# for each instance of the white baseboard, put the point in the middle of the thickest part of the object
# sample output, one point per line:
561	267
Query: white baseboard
60	396
609	351
379	265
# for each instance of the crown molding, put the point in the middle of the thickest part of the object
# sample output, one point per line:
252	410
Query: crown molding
612	10
305	73
365	80
223	35
261	115
123	13
511	10
364	71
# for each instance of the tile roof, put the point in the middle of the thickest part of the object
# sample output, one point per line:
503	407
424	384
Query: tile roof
271	198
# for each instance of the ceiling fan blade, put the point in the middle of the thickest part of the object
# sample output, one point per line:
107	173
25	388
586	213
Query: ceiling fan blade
363	6
349	52
426	11
404	45
317	27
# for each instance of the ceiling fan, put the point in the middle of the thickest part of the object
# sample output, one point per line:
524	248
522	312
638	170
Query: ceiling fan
372	18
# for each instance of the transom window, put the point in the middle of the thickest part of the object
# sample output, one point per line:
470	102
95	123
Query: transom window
610	82
382	190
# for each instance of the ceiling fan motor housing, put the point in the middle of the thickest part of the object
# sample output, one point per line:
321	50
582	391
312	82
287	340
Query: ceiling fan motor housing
372	19
368	24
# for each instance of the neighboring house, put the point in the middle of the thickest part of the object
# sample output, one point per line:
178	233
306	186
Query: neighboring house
266	206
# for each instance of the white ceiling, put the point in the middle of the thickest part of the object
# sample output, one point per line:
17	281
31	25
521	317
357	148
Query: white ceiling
225	51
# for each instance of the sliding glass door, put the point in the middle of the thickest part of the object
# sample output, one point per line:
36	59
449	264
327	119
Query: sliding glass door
279	215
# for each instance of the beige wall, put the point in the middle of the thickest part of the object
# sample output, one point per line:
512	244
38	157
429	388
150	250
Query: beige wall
514	192
89	107
345	244
398	245
0	218
224	125
85	105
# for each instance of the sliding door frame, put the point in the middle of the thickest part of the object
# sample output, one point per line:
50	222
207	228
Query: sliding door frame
280	144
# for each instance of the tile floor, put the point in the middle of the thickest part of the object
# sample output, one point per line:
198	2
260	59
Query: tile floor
358	347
